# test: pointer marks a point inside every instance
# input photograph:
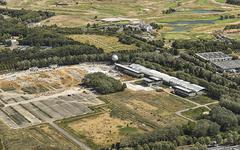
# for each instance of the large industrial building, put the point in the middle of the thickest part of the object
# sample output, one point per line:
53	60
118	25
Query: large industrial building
214	56
223	62
128	70
228	66
154	77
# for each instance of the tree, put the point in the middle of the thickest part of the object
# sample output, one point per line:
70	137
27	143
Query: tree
225	118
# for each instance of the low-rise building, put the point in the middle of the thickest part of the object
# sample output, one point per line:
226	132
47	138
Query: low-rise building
179	90
128	70
152	81
228	66
214	56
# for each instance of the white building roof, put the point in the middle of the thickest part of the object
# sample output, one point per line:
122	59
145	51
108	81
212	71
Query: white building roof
127	68
165	77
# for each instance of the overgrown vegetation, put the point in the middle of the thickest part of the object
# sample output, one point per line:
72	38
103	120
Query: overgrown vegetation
102	83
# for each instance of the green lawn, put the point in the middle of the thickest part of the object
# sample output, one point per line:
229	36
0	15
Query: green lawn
202	99
195	113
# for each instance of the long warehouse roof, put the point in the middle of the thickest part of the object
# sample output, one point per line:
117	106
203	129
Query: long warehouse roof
167	78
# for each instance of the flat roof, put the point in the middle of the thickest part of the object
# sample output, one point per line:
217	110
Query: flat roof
147	80
213	55
229	64
167	78
154	78
127	68
183	89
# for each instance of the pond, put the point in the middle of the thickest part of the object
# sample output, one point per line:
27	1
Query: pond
178	28
190	22
184	25
202	11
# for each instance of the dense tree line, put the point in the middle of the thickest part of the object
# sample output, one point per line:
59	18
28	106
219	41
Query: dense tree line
233	26
102	83
200	45
234	2
43	37
28	16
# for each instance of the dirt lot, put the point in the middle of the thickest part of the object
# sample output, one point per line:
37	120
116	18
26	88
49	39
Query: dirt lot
42	81
103	129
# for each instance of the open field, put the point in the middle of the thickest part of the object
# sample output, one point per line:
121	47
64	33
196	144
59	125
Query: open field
107	43
195	113
36	137
146	107
202	99
79	12
127	113
103	130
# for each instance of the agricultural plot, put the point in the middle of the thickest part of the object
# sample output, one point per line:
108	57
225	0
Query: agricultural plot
37	137
23	113
107	43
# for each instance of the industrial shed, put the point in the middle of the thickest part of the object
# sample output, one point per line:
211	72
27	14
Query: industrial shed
173	81
228	66
128	70
214	56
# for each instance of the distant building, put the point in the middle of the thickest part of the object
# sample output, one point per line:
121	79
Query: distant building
53	66
214	56
128	70
33	69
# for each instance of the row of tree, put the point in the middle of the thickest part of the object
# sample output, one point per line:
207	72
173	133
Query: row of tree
28	16
234	2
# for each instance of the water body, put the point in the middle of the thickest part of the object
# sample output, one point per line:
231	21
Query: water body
178	28
191	22
181	25
202	11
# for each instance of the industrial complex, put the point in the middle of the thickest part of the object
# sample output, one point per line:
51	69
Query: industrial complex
223	62
153	77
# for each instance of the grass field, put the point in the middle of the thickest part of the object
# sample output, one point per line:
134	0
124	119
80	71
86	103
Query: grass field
195	113
127	113
202	99
107	43
37	137
103	130
80	13
151	108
